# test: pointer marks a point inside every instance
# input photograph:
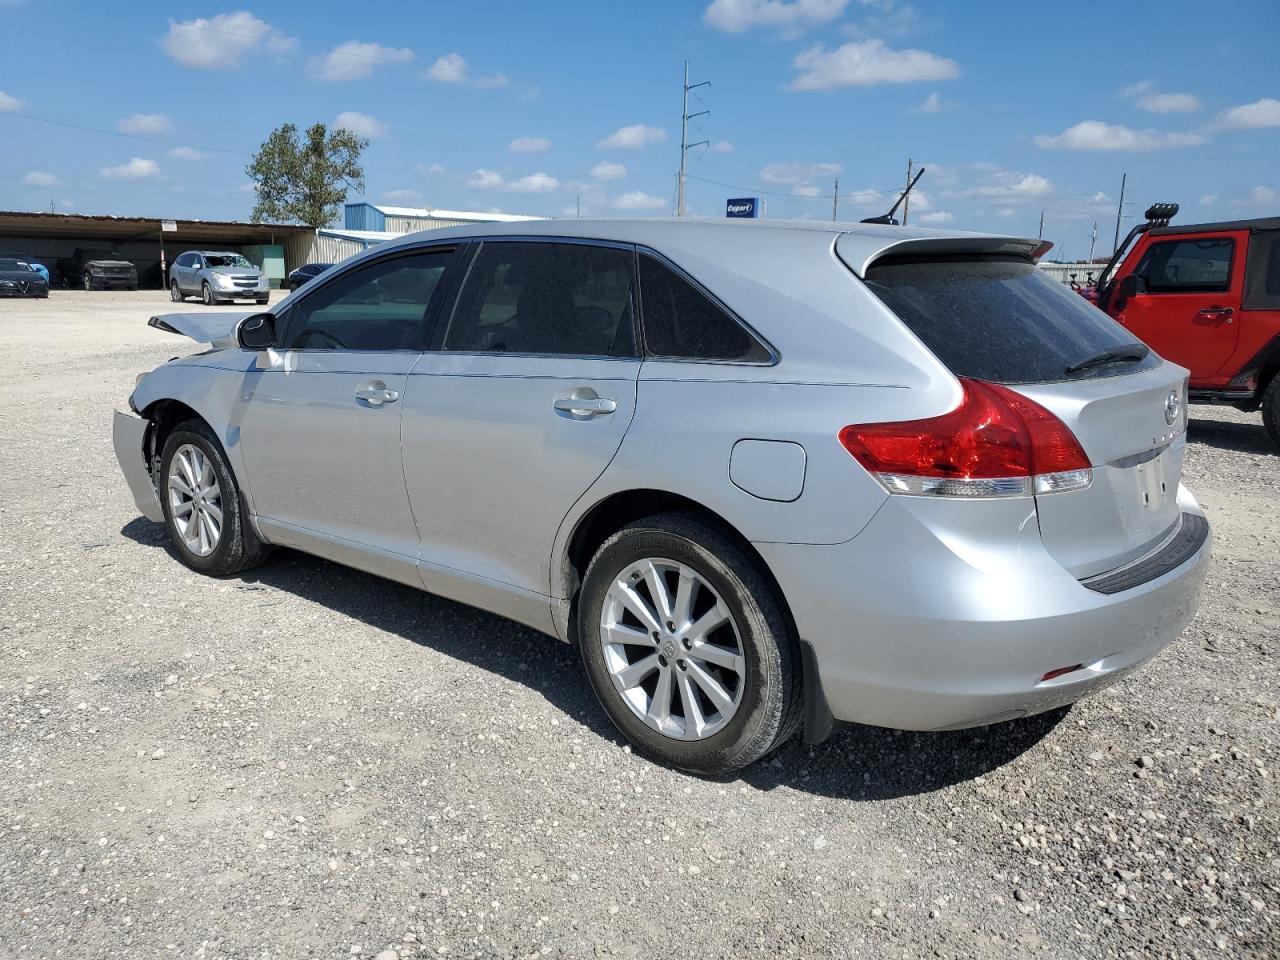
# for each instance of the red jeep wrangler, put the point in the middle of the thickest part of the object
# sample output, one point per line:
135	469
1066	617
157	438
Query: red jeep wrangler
1207	297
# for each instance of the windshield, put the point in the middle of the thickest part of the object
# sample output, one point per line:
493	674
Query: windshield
228	260
1003	320
7	263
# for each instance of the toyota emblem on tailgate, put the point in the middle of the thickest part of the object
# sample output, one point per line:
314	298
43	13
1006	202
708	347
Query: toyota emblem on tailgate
1171	407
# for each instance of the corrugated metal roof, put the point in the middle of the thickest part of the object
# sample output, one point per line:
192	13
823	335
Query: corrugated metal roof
125	228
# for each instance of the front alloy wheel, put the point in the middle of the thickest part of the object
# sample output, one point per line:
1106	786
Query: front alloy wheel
88	281
175	293
195	500
672	649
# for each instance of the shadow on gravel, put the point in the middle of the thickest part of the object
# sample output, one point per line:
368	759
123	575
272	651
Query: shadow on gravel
857	763
1229	435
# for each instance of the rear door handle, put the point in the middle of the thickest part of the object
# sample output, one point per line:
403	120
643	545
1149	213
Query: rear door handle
583	404
1224	313
375	394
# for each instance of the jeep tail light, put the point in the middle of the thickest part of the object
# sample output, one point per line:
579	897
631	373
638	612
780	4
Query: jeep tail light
996	443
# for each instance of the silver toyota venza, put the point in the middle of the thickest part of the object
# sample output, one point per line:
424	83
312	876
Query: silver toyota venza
767	477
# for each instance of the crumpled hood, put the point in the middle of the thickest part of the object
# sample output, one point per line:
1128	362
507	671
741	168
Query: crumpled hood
216	329
108	263
236	271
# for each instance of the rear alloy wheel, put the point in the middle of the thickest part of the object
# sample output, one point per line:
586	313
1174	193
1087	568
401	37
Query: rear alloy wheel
206	295
1271	409
686	646
175	292
202	505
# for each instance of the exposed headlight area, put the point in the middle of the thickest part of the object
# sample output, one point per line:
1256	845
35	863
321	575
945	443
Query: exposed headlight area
996	443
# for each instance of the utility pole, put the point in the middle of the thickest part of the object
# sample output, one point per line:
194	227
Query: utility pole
578	207
685	145
835	198
1093	238
906	204
1120	211
1040	235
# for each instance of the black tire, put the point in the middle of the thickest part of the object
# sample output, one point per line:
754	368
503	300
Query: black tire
263	300
1271	409
206	295
175	292
239	547
86	281
771	708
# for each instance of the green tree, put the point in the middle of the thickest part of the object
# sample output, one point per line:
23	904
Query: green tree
305	181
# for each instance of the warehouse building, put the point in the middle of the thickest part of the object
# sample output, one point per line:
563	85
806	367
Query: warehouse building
151	243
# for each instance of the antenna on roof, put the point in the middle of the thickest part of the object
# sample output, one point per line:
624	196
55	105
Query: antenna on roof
888	218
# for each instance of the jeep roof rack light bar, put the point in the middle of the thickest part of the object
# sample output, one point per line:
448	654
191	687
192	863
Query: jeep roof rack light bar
888	218
1158	215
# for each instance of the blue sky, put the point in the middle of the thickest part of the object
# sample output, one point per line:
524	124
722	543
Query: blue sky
1014	108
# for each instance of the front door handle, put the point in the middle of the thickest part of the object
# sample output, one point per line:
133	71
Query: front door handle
375	394
1222	313
583	404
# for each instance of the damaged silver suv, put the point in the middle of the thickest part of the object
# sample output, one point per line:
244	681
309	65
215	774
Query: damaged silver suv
217	277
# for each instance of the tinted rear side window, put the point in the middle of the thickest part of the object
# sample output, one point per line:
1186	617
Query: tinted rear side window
1000	319
567	299
681	321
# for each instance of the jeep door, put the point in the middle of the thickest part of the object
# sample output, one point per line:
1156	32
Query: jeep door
1188	303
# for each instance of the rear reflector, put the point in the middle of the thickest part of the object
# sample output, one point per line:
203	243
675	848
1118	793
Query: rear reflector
996	443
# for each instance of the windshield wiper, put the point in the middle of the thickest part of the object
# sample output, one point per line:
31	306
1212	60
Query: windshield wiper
1130	354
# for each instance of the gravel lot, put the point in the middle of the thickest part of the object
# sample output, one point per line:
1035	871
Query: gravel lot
308	761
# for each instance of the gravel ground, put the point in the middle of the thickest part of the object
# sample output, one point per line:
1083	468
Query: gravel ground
308	761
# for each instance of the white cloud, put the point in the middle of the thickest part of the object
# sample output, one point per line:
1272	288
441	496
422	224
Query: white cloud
220	42
1098	136
805	190
739	16
1264	195
604	170
1248	116
1011	185
1169	103
361	124
431	168
1208	199
491	81
639	200
936	216
9	104
795	172
135	169
186	153
38	178
530	145
354	60
633	137
145	123
932	104
450	68
400	196
867	63
721	146
539	182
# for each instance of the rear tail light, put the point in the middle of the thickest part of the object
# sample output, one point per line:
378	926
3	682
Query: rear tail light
996	443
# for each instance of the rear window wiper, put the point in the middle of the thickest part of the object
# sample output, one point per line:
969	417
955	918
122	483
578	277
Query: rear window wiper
1128	354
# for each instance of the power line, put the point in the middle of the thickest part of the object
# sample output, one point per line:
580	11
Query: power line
852	197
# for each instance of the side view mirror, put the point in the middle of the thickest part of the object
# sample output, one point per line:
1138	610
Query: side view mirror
1132	285
257	332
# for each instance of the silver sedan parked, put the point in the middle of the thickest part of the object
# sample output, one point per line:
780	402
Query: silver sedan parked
216	277
766	477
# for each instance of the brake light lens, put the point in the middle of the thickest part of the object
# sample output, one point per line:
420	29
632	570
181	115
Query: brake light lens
996	443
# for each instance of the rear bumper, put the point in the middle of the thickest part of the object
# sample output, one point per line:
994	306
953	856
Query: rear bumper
128	435
925	623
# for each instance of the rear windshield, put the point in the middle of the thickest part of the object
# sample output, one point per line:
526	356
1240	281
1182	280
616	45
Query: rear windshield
1001	319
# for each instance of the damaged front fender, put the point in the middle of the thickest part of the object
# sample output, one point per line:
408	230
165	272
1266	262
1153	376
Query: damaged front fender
129	437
